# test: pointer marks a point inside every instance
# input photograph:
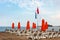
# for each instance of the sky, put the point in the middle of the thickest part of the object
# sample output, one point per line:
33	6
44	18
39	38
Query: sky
24	10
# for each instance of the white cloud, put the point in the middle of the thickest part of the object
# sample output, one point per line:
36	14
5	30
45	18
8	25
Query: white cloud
31	5
56	16
28	4
55	19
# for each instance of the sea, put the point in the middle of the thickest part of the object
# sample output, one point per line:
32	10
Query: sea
3	28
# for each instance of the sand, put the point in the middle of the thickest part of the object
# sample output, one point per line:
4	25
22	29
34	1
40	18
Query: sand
9	36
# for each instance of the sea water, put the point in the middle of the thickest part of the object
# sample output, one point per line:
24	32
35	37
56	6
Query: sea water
2	28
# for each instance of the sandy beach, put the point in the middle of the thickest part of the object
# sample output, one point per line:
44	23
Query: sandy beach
9	36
